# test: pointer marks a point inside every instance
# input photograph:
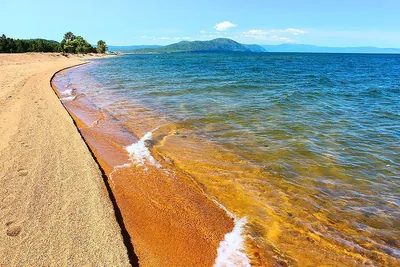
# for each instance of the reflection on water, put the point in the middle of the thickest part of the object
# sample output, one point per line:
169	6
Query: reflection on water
306	146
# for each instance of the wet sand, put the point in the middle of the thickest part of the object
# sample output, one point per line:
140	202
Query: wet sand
54	206
171	220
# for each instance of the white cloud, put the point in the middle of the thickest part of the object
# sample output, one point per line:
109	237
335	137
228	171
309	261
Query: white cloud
165	38
275	35
223	26
203	32
295	31
292	31
258	32
255	32
281	39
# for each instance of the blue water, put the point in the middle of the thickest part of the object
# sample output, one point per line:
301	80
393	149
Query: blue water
326	126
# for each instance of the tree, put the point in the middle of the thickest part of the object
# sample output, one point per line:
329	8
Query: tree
40	45
3	44
21	46
70	44
69	47
62	44
79	44
69	36
75	44
67	44
101	47
10	46
87	48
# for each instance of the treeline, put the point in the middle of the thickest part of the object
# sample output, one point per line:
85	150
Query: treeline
70	44
10	45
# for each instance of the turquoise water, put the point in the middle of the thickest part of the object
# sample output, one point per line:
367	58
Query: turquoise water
325	128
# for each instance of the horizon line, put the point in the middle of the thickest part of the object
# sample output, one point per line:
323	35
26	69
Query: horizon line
293	43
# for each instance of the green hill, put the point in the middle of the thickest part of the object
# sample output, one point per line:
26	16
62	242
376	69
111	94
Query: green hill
130	48
216	45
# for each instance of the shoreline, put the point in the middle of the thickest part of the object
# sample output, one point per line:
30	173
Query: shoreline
133	258
158	203
54	208
171	228
122	130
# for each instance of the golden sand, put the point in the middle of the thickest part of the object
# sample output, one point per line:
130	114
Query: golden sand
54	207
170	219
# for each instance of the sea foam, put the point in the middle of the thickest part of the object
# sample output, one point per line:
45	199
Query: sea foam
68	96
140	153
67	92
230	252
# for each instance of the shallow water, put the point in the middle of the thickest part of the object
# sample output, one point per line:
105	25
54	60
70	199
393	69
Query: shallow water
305	146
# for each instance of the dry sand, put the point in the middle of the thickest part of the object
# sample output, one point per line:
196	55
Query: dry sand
54	206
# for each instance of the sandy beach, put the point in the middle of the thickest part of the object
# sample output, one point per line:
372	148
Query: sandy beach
169	217
54	205
60	207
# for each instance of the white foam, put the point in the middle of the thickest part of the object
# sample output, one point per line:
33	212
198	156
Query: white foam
119	167
68	98
67	92
140	153
230	252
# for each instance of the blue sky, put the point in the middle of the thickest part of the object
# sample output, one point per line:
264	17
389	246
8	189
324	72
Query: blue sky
123	22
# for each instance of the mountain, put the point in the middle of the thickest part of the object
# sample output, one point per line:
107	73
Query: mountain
130	48
228	45
216	45
301	48
256	48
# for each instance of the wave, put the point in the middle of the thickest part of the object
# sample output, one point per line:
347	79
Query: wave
230	252
68	98
68	95
140	153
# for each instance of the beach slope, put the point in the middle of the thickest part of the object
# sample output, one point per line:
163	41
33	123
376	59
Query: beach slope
54	206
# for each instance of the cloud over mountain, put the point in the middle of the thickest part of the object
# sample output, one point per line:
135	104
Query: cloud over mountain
223	26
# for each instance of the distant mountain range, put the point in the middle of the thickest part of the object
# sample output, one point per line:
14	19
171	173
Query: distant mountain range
216	45
228	45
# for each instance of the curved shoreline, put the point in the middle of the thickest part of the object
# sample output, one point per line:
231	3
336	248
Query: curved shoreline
277	223
155	239
54	208
133	258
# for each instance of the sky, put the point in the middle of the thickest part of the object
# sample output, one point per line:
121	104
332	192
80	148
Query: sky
124	22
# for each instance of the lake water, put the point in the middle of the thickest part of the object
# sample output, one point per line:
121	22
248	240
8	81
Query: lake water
306	147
